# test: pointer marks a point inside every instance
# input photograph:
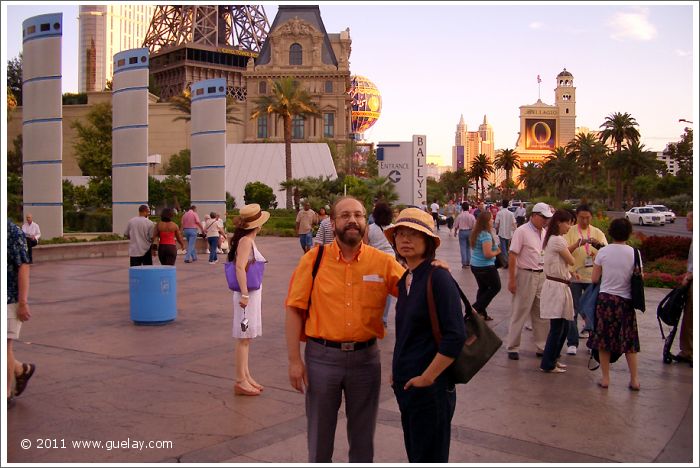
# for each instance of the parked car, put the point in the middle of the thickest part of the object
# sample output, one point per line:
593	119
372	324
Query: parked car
645	215
670	215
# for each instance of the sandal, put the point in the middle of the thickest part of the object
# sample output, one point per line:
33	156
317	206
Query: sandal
22	380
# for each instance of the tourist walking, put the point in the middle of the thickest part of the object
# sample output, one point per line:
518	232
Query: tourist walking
483	263
17	310
341	357
556	303
167	232
584	241
425	394
520	213
214	229
435	212
305	221
139	231
450	213
505	225
525	279
463	228
190	225
247	303
615	329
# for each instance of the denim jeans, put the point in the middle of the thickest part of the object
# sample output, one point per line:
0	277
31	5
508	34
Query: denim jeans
191	237
505	245
555	340
306	240
576	291
213	244
464	248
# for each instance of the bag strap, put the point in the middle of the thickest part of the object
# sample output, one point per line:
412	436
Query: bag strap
432	309
637	262
314	271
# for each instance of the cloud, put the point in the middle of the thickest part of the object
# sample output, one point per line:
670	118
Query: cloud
535	25
634	26
682	53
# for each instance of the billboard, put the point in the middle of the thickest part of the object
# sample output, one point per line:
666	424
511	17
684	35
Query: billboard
540	134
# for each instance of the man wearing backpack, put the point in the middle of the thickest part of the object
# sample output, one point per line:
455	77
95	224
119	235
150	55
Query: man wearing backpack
686	339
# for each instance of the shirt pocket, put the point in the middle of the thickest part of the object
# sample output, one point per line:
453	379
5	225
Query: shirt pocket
373	295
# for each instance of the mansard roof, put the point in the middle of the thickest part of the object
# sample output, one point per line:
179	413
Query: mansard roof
309	14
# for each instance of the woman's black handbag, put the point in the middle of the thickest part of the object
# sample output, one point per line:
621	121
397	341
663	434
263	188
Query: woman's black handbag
638	301
481	344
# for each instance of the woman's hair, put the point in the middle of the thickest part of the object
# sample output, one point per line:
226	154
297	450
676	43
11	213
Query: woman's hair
620	229
465	206
324	211
560	216
238	233
430	248
382	214
166	215
482	224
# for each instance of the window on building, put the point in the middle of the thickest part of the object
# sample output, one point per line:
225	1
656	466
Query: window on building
262	87
297	127
295	54
328	87
328	124
262	126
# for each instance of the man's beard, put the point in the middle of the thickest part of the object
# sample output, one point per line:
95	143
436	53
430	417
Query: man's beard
350	238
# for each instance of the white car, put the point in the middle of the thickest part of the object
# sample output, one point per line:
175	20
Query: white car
670	215
645	215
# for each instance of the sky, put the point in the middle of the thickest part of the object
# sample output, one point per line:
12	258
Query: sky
434	62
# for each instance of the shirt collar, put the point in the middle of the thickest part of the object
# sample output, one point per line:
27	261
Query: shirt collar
339	253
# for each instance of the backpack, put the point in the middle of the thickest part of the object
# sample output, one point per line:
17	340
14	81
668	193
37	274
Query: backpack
671	307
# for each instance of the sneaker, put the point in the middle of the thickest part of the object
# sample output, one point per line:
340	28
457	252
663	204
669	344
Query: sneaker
513	355
560	365
571	350
584	334
213	262
219	251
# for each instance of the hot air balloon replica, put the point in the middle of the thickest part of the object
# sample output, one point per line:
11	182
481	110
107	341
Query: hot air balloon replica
366	105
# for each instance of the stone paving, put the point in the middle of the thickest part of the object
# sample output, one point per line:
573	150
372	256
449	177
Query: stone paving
101	378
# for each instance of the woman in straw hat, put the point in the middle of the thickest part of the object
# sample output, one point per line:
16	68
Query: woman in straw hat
247	304
425	394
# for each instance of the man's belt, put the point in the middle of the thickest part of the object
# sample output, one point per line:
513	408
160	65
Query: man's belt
344	345
534	271
559	280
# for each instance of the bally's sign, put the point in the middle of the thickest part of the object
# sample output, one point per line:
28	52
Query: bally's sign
420	190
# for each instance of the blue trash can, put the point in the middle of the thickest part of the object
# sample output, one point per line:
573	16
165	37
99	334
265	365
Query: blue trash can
152	294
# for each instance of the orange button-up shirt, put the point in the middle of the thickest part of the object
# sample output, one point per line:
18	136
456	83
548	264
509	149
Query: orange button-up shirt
348	298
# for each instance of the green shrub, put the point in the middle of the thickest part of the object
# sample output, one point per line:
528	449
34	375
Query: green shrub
667	264
99	220
258	192
74	240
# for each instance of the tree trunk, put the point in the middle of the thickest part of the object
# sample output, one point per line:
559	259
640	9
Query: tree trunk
288	156
618	181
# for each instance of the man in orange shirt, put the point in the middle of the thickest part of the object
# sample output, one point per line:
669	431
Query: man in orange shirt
344	322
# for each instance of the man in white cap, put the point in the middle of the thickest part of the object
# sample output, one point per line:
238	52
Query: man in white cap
525	279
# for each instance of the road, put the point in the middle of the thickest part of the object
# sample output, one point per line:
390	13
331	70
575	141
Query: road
670	229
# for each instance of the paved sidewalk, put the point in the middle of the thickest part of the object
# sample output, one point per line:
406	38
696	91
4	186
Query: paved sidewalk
101	378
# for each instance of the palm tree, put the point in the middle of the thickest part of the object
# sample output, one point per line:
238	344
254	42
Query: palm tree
637	162
183	103
529	174
480	169
589	152
507	159
287	100
618	128
560	170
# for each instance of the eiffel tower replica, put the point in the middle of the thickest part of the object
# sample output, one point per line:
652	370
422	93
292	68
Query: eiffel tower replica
190	43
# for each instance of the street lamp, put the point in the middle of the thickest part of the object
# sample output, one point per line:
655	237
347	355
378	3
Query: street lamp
683	120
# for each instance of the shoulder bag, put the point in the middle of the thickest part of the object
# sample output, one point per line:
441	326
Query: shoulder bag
314	271
637	280
482	342
253	273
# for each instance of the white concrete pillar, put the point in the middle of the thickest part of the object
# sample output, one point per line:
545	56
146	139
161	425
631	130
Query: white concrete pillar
129	136
208	152
42	128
